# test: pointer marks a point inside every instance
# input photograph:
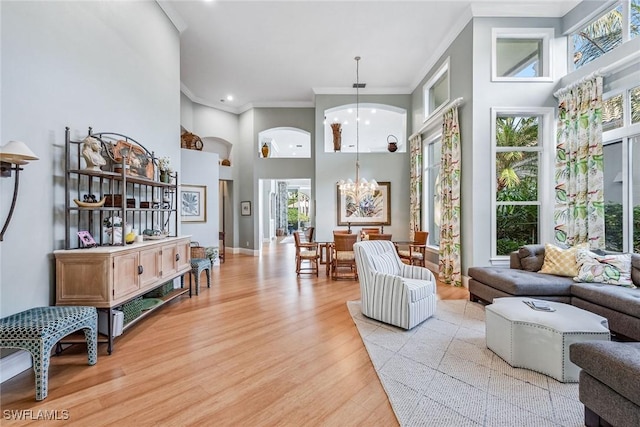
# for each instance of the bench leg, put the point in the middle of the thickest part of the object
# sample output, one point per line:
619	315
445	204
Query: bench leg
208	271
91	336
41	362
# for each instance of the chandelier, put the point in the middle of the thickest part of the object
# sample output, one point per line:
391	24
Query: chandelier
360	186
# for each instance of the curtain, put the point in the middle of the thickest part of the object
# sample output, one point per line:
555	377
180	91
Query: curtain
415	182
579	205
449	264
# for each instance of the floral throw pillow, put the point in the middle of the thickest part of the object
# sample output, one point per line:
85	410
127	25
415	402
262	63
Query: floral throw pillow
610	269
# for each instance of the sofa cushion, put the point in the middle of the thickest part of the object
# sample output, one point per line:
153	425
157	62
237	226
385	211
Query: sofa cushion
560	261
618	298
616	364
521	282
531	257
609	269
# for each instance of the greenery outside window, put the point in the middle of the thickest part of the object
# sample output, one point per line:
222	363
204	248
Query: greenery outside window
521	54
605	33
612	113
520	190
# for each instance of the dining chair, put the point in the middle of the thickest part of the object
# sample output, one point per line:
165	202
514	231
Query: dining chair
342	257
366	231
379	236
306	252
414	252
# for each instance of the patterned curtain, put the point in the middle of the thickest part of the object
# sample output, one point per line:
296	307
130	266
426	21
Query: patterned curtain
579	209
449	264
415	190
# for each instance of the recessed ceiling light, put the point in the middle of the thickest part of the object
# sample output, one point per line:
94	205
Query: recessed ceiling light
229	97
346	122
373	111
367	122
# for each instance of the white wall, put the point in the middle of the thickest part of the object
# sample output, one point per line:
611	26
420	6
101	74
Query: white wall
75	64
201	168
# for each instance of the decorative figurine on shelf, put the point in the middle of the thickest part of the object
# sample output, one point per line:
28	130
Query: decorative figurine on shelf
164	164
91	152
336	129
392	143
112	226
265	150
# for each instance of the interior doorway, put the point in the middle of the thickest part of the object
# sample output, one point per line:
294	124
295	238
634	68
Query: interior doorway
285	206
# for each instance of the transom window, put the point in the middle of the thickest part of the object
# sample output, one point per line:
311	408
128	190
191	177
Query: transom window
605	33
436	90
521	54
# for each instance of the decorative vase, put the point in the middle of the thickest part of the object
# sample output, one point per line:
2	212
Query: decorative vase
265	150
164	176
337	136
392	143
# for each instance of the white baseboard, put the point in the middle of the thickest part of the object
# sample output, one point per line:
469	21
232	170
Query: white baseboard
14	364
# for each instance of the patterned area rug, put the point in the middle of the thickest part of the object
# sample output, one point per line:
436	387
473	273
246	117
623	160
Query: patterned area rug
442	374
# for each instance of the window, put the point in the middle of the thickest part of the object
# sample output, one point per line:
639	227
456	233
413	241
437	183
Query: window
521	54
436	91
605	33
635	104
622	195
431	201
520	189
378	122
612	113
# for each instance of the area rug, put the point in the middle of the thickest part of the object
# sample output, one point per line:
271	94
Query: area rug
442	374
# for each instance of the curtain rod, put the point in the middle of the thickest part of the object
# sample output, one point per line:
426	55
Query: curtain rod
602	72
455	103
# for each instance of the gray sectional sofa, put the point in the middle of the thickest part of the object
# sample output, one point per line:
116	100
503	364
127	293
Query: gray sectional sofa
609	385
620	305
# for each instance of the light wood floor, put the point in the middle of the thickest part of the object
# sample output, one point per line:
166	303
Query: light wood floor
260	347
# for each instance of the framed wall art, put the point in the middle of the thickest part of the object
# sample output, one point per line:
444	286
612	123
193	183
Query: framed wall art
370	208
245	208
193	203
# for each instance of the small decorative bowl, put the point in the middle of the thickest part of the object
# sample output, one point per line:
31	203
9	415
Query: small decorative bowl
97	204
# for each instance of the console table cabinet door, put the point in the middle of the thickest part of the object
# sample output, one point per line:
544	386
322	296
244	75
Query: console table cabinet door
149	272
183	250
125	275
83	280
168	266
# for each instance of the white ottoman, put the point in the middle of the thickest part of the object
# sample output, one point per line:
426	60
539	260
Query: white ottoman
539	340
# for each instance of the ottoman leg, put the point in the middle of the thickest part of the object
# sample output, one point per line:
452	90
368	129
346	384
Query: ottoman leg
197	274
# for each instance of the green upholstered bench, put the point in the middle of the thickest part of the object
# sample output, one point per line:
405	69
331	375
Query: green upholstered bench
37	330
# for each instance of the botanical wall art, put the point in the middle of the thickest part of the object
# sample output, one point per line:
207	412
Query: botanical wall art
193	202
365	207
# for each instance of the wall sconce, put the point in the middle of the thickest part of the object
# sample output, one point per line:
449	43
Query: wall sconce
13	155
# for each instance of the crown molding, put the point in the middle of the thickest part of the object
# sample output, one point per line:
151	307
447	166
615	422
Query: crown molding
173	16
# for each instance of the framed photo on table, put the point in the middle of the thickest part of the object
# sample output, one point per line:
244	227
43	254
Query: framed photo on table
193	203
245	208
370	208
86	239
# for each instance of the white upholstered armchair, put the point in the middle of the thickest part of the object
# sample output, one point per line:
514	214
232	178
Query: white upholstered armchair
392	292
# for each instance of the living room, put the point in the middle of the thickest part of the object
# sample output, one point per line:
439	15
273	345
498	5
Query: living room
82	64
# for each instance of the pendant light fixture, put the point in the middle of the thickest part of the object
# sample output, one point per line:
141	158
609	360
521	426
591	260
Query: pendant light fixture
360	187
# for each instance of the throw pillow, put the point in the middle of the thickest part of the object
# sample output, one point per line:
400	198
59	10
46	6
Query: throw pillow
609	269
386	262
561	262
